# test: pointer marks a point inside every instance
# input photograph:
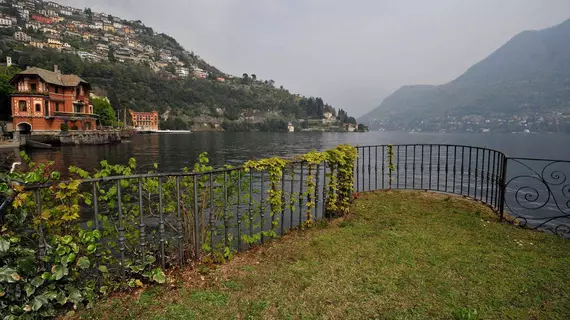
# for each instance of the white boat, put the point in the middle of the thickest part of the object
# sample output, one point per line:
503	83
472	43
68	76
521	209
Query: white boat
172	131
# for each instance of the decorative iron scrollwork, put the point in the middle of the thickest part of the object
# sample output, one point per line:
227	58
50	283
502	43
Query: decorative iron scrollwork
538	194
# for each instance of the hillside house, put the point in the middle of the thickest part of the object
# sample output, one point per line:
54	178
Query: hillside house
49	30
44	100
290	127
182	72
5	21
33	25
54	43
38	44
199	73
42	19
21	36
65	12
102	47
89	56
144	121
108	27
24	14
53	4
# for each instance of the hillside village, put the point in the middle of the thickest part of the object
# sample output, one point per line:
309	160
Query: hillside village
93	36
116	53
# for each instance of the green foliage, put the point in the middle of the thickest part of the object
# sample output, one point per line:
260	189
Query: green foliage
391	166
64	127
71	256
136	86
466	314
6	74
102	107
79	262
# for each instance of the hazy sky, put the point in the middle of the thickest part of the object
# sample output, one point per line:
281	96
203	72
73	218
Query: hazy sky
352	53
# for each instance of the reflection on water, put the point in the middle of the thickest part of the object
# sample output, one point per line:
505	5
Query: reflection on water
175	151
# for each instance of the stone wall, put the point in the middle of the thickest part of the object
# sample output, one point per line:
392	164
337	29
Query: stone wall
78	137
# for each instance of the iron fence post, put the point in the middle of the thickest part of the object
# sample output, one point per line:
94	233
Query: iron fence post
503	187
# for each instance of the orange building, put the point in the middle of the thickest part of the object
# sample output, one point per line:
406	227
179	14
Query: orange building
44	100
144	121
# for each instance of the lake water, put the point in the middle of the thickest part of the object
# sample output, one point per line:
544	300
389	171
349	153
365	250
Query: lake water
175	151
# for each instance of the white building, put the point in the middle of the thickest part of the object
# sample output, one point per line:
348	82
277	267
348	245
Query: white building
102	47
199	73
65	12
33	25
49	30
88	56
21	36
5	21
182	72
290	127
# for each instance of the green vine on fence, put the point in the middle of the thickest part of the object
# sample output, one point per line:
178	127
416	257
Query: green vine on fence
79	262
274	166
391	166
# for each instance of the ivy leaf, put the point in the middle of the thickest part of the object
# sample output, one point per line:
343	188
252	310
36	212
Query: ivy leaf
4	245
103	289
138	283
67	239
103	269
158	275
38	302
59	271
83	263
29	289
70	257
61	298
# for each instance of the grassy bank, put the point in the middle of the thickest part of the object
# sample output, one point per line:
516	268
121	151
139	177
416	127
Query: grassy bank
401	255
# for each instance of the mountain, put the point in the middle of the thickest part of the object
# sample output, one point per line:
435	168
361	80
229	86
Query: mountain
527	78
139	69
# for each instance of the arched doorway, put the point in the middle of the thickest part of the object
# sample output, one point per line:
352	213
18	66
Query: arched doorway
24	128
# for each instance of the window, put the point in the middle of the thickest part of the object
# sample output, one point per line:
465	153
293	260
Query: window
38	107
33	87
23	107
46	108
57	106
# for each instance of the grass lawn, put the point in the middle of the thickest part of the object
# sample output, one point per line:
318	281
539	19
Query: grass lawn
401	255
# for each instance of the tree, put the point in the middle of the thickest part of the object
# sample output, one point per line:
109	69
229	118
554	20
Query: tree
111	55
102	107
6	74
253	77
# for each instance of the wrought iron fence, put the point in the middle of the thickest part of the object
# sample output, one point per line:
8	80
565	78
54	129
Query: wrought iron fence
464	170
538	194
533	193
174	218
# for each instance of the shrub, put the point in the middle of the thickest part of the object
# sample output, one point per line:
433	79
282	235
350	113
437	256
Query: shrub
64	127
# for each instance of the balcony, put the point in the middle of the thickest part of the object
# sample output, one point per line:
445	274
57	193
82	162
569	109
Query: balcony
73	115
44	93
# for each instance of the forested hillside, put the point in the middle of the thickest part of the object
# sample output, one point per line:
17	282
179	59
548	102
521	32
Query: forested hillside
139	69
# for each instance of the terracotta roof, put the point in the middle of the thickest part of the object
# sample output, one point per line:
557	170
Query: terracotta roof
66	80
